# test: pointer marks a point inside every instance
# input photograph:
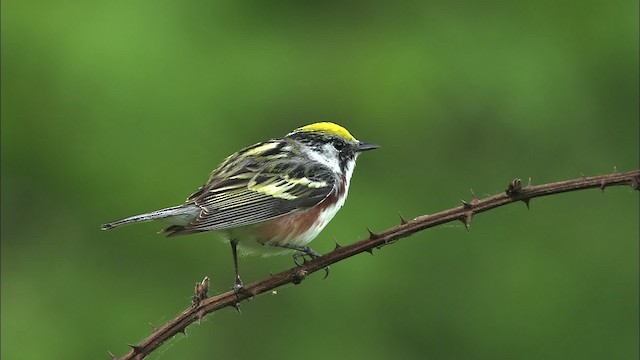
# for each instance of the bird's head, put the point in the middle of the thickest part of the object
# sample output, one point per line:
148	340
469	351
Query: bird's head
331	144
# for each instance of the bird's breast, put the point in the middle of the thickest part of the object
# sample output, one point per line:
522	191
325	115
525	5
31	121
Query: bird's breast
302	226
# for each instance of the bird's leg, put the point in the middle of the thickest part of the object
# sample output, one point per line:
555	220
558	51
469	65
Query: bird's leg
302	251
238	285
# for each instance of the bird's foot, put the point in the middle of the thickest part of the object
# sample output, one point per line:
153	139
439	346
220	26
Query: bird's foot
304	250
238	286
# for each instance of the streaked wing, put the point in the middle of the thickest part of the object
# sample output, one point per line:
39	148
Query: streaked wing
253	195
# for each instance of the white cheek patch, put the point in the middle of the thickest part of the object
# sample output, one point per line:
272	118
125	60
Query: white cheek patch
327	156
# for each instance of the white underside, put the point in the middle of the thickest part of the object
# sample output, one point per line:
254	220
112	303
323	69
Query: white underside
249	245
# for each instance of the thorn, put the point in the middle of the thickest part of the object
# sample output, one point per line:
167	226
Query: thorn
370	251
200	316
615	169
466	219
338	246
153	327
529	183
372	235
474	198
465	204
583	176
402	219
183	331
237	307
326	273
113	357
634	183
603	184
136	348
201	291
526	202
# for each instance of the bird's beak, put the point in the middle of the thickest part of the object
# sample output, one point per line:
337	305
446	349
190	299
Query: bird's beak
363	146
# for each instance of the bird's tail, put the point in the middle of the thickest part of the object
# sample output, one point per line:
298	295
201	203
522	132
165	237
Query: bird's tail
176	215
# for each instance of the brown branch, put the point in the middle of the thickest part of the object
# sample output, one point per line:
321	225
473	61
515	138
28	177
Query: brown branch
202	305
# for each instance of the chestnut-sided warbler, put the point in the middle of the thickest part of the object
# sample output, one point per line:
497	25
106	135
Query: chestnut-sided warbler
272	197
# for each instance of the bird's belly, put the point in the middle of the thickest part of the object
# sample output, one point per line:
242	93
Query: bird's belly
298	228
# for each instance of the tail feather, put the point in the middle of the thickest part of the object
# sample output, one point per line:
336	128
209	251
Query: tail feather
176	215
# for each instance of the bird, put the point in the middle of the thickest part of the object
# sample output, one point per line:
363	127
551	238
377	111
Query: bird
272	197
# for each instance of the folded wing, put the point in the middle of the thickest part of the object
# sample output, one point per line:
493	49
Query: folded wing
252	195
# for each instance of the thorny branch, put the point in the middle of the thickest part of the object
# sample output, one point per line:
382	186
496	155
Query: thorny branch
202	305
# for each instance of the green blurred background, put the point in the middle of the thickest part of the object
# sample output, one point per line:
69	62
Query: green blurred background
114	108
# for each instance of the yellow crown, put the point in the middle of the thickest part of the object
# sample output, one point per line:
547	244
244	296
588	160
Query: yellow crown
327	128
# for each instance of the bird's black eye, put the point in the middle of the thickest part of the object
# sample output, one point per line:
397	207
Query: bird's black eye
339	145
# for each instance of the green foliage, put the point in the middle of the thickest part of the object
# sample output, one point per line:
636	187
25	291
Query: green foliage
114	108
